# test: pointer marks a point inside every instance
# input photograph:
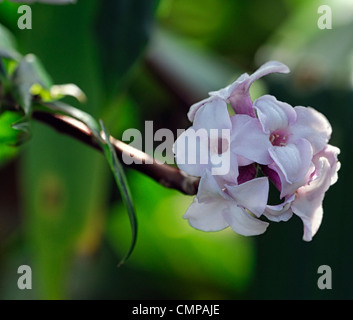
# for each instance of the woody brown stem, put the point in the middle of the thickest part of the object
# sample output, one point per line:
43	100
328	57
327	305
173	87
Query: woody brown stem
164	174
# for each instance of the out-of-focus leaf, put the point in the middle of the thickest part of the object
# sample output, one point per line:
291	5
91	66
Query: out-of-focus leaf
316	56
28	72
185	17
70	89
8	136
123	186
9	54
8	13
58	92
23	126
63	181
43	94
122	113
123	29
111	157
233	28
7	45
194	72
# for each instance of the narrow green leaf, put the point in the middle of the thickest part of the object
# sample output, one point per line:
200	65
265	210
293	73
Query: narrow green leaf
65	109
109	152
28	72
122	183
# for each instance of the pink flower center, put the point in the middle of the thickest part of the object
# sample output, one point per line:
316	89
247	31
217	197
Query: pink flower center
279	138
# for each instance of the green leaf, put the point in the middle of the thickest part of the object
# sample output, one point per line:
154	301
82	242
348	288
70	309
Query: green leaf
7	133
69	89
28	72
111	157
7	45
23	126
9	54
122	183
8	136
65	109
57	92
74	176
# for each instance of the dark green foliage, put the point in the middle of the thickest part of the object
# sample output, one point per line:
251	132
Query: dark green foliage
123	28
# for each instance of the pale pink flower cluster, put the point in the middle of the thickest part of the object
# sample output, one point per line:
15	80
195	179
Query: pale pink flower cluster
268	140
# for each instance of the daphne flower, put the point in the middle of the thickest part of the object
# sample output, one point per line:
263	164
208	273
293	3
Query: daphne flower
204	146
237	93
214	209
296	134
290	145
306	202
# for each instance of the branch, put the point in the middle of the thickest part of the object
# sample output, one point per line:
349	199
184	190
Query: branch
164	174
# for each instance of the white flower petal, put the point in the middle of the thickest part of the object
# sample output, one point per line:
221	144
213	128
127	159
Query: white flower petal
267	68
209	188
330	153
196	106
308	202
287	188
293	159
274	114
280	212
248	140
207	216
226	169
251	195
225	93
213	100
213	115
243	223
312	126
191	151
238	92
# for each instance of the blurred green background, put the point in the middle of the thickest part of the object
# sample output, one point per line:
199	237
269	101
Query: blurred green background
138	60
